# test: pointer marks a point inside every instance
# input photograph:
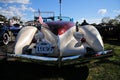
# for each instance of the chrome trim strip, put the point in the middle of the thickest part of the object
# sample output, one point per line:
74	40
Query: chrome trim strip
33	57
42	58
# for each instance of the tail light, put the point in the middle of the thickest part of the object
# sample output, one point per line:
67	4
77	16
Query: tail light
61	31
83	40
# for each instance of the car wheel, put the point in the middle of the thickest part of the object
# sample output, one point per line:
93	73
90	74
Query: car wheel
6	38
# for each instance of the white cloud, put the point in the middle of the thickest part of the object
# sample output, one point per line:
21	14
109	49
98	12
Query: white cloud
23	7
11	11
16	11
97	21
16	1
117	11
31	9
102	11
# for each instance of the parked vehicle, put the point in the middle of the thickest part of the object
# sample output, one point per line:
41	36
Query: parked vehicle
4	34
15	29
58	40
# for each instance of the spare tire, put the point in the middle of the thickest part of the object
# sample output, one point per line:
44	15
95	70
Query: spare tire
6	38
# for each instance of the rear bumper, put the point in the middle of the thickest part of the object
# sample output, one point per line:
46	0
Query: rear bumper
63	60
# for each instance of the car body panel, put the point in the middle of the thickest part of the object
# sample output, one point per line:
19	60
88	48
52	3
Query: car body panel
58	41
24	39
64	44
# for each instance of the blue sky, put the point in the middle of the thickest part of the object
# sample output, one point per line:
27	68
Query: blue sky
91	10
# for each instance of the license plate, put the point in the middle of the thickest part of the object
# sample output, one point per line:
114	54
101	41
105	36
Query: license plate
44	48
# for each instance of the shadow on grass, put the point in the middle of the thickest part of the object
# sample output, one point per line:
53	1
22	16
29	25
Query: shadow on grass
31	71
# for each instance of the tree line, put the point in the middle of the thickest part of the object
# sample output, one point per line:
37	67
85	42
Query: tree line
109	28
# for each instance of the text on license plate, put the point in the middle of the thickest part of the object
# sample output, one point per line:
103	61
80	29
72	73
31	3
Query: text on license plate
45	48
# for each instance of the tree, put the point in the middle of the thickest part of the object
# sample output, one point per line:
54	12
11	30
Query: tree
114	22
16	18
105	20
2	18
118	17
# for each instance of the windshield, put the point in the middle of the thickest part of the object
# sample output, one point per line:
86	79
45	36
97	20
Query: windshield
57	18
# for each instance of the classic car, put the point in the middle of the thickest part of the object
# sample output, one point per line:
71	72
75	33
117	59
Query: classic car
15	29
59	39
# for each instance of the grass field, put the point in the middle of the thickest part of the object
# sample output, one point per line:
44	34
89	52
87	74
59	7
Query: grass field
108	69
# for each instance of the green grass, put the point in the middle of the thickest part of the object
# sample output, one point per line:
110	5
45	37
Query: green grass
108	69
